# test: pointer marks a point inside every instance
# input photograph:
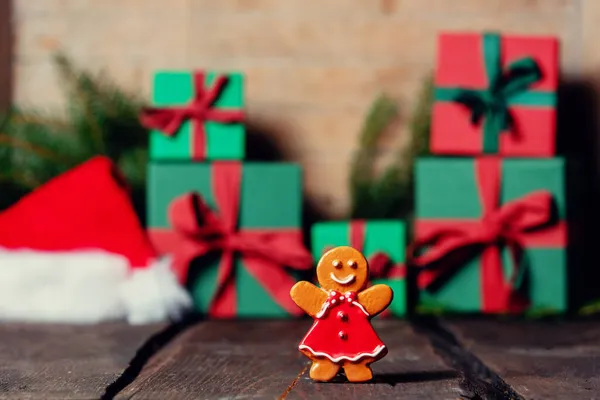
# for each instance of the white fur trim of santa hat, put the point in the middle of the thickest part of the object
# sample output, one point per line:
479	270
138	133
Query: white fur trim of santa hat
85	287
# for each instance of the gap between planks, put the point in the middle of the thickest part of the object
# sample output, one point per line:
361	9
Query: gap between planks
147	350
477	381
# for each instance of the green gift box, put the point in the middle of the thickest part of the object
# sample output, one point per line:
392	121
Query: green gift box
234	233
491	235
196	116
373	238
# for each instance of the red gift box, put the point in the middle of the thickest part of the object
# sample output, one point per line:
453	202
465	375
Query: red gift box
495	95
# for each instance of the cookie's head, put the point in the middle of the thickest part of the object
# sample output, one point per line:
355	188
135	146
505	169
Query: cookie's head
343	269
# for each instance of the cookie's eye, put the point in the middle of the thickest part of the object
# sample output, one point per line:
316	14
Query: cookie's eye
337	264
352	264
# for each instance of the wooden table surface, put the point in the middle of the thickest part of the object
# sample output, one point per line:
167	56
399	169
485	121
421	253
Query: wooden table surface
427	359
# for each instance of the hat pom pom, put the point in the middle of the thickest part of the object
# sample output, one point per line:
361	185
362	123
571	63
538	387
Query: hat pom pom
152	294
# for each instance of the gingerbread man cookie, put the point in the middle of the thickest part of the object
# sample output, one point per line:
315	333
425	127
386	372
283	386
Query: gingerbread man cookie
342	335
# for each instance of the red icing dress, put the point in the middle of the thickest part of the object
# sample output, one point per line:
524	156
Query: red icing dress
342	331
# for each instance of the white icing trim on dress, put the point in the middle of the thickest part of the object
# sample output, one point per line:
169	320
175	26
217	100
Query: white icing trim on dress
345	281
357	304
323	309
375	352
308	333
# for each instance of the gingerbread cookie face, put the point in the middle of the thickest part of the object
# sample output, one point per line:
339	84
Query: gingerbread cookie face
343	269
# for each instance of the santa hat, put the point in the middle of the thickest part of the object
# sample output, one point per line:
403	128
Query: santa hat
74	251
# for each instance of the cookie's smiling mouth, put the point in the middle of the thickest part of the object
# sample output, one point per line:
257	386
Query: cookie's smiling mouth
349	279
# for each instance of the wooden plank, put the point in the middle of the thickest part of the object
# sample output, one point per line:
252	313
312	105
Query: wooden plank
410	370
224	359
260	360
539	360
65	361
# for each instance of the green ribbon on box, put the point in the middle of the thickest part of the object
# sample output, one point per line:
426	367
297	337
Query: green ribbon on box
506	88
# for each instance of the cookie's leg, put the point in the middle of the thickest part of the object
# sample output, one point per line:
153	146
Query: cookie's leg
323	369
358	371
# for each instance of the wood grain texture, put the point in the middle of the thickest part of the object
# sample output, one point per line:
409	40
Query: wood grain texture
539	360
411	370
260	360
64	361
222	359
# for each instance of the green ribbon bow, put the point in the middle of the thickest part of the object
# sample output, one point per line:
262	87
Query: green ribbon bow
506	88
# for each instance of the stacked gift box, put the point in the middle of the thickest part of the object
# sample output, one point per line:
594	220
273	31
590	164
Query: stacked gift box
490	226
490	211
232	228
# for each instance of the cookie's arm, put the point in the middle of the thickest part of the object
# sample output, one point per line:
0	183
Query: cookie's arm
308	297
376	298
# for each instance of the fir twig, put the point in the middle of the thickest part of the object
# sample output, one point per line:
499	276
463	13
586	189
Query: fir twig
391	194
21	179
101	119
82	91
41	152
395	189
590	308
381	113
19	118
420	125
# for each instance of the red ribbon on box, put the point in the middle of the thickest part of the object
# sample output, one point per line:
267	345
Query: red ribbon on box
198	230
378	262
516	224
168	120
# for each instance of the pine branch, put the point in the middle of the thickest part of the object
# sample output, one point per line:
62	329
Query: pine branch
394	190
40	152
82	91
421	121
381	113
31	126
17	117
20	179
590	308
101	119
116	102
133	165
104	112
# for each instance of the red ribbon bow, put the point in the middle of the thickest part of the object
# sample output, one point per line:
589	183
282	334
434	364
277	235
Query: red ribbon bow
505	224
168	120
198	230
510	225
380	264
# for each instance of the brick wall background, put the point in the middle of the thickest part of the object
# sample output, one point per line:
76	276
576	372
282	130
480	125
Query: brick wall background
313	66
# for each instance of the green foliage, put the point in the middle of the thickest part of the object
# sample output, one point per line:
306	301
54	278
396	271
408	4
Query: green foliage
382	112
389	194
542	313
592	308
432	310
99	119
